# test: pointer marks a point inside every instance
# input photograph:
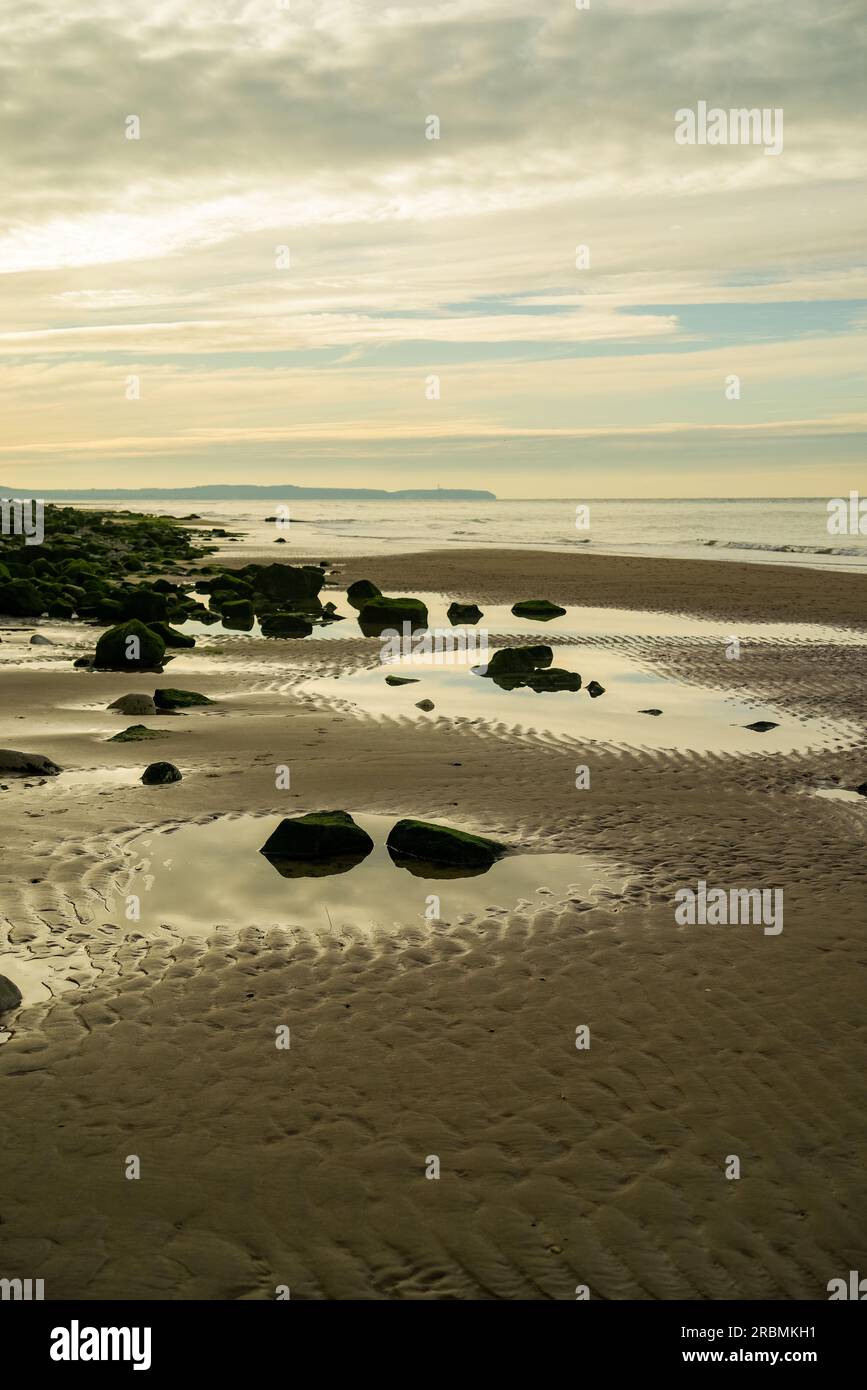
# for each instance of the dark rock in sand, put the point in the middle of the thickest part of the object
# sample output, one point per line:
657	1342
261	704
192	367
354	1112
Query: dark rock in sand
401	680
384	614
540	608
10	995
428	843
115	650
424	704
37	640
361	592
159	774
517	661
462	613
285	625
171	637
594	690
136	733
762	726
281	540
14	764
238	615
134	704
650	711
168	698
328	839
862	790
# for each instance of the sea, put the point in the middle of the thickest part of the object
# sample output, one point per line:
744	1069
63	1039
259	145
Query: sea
792	531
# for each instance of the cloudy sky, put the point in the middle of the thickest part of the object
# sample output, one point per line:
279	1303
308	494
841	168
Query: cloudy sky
284	261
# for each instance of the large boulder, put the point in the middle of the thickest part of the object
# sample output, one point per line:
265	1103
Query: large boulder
324	838
168	698
10	995
14	764
134	704
429	843
130	647
21	598
539	608
296	586
145	604
361	592
381	614
160	774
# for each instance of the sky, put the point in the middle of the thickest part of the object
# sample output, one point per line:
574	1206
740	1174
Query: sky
283	279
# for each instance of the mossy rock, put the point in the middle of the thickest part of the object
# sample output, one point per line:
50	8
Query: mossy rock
540	608
464	613
59	608
382	614
294	585
168	698
134	703
137	733
145	604
429	843
362	592
517	661
402	680
171	637
320	837
238	615
21	598
4	574
160	774
130	647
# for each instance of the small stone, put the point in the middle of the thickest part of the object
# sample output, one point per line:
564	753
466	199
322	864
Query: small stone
424	704
594	689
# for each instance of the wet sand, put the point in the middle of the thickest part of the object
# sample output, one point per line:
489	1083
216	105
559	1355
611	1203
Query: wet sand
306	1167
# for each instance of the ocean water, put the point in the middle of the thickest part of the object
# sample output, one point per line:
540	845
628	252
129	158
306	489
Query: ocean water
777	530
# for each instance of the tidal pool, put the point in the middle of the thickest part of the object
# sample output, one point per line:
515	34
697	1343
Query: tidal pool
196	877
577	622
691	717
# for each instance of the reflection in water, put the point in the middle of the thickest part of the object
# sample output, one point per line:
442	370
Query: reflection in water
200	876
685	716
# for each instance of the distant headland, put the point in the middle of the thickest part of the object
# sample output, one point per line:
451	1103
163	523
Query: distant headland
238	492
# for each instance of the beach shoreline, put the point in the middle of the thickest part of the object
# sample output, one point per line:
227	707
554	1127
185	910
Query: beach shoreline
559	1168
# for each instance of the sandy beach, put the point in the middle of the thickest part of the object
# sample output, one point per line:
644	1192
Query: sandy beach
411	1038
